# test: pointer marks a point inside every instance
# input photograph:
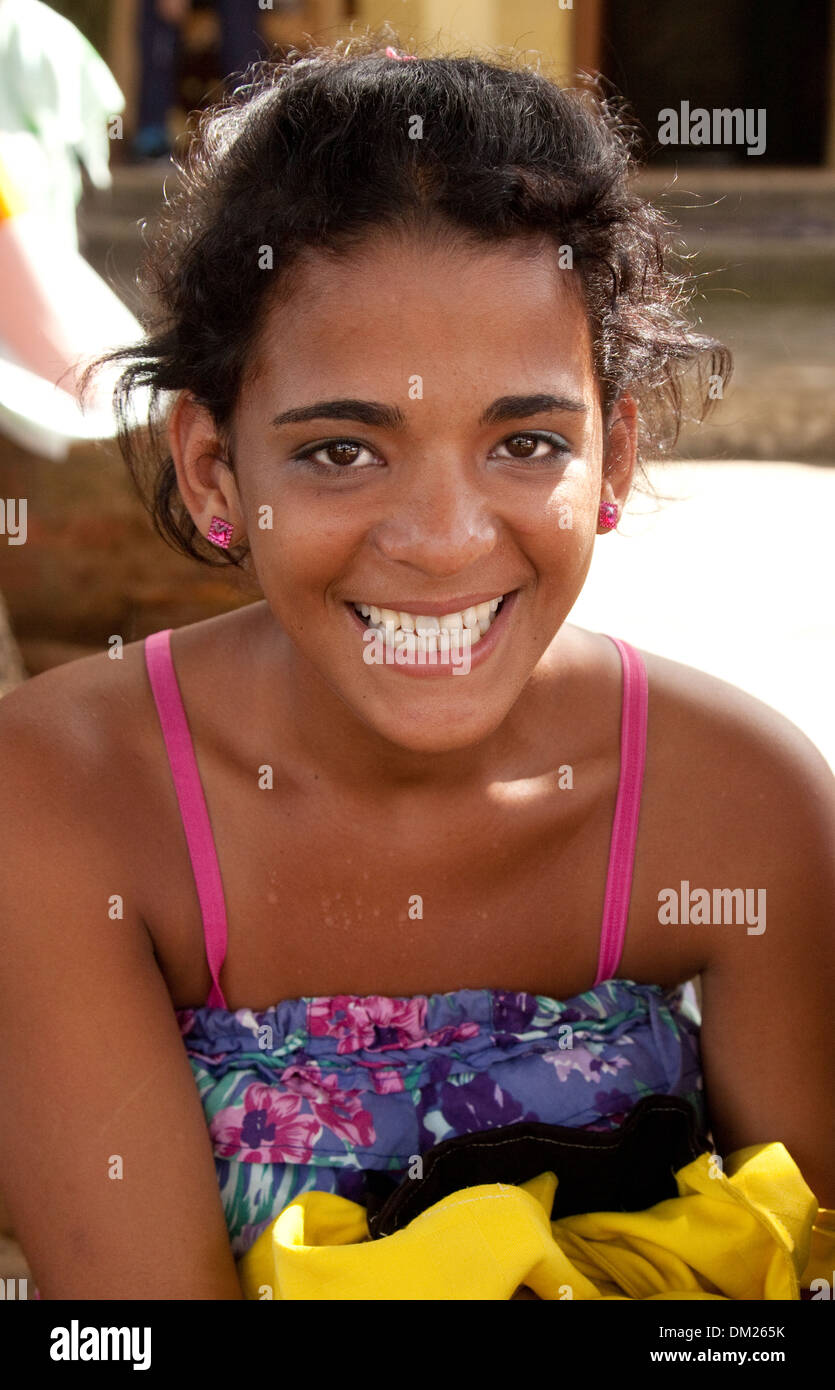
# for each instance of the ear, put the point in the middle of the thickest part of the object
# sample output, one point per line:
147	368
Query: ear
204	475
620	451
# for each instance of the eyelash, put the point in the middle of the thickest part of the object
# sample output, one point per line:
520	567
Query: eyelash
561	449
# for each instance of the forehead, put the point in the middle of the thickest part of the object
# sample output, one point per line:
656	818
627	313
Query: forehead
453	313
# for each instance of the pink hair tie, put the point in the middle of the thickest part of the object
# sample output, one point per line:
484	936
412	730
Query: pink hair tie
401	57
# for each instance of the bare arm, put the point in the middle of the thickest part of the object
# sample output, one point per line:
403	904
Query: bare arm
105	1160
768	1048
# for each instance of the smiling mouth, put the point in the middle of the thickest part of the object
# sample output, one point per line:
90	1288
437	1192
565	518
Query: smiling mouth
416	630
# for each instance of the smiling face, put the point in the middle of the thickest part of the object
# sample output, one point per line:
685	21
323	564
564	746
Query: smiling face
454	454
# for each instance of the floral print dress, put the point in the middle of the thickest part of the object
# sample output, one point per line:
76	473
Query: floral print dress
315	1092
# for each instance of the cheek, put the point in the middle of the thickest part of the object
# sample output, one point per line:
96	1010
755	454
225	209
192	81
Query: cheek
298	546
561	543
562	524
562	554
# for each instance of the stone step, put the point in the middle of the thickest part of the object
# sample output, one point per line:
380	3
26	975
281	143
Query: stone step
795	204
774	230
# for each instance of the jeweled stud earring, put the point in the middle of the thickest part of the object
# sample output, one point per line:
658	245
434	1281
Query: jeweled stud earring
220	533
607	516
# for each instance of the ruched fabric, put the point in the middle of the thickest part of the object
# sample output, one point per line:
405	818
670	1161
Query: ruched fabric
314	1093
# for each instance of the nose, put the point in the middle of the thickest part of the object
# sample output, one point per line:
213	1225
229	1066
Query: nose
440	523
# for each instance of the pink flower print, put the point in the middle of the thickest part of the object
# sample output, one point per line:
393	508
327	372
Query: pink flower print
339	1111
451	1033
267	1128
339	1017
407	1017
368	1022
387	1081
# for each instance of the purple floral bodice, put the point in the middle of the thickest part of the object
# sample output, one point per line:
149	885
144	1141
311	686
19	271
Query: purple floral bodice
315	1092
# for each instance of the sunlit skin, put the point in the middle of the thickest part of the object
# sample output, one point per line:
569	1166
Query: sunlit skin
434	510
385	785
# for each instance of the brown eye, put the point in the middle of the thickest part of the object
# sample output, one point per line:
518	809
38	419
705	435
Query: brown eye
334	456
341	453
523	447
529	443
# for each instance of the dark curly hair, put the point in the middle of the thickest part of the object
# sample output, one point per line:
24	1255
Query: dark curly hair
313	153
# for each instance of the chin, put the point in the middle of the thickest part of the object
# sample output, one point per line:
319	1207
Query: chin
445	727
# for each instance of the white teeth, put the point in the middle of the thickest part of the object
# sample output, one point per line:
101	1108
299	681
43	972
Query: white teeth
424	629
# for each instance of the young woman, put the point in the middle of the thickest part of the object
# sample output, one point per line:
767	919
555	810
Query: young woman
411	333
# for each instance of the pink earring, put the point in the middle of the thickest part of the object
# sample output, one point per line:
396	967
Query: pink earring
607	516
220	533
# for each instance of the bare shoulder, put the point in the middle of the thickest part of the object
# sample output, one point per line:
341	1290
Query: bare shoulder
729	745
78	779
63	733
712	748
736	796
72	729
85	771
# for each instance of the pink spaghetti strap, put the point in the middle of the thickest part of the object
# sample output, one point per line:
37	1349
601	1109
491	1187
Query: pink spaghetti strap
192	802
633	739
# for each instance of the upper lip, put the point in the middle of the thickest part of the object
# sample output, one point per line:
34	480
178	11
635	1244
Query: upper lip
424	608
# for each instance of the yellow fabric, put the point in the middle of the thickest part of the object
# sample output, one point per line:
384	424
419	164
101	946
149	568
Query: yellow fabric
821	1261
752	1231
11	199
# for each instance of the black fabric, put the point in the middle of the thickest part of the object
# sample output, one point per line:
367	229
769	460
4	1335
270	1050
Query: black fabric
628	1169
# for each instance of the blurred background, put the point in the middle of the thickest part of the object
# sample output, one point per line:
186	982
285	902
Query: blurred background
729	567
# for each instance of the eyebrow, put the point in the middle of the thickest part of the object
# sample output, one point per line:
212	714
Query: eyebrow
391	417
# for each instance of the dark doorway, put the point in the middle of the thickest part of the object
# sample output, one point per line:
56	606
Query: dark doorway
724	54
